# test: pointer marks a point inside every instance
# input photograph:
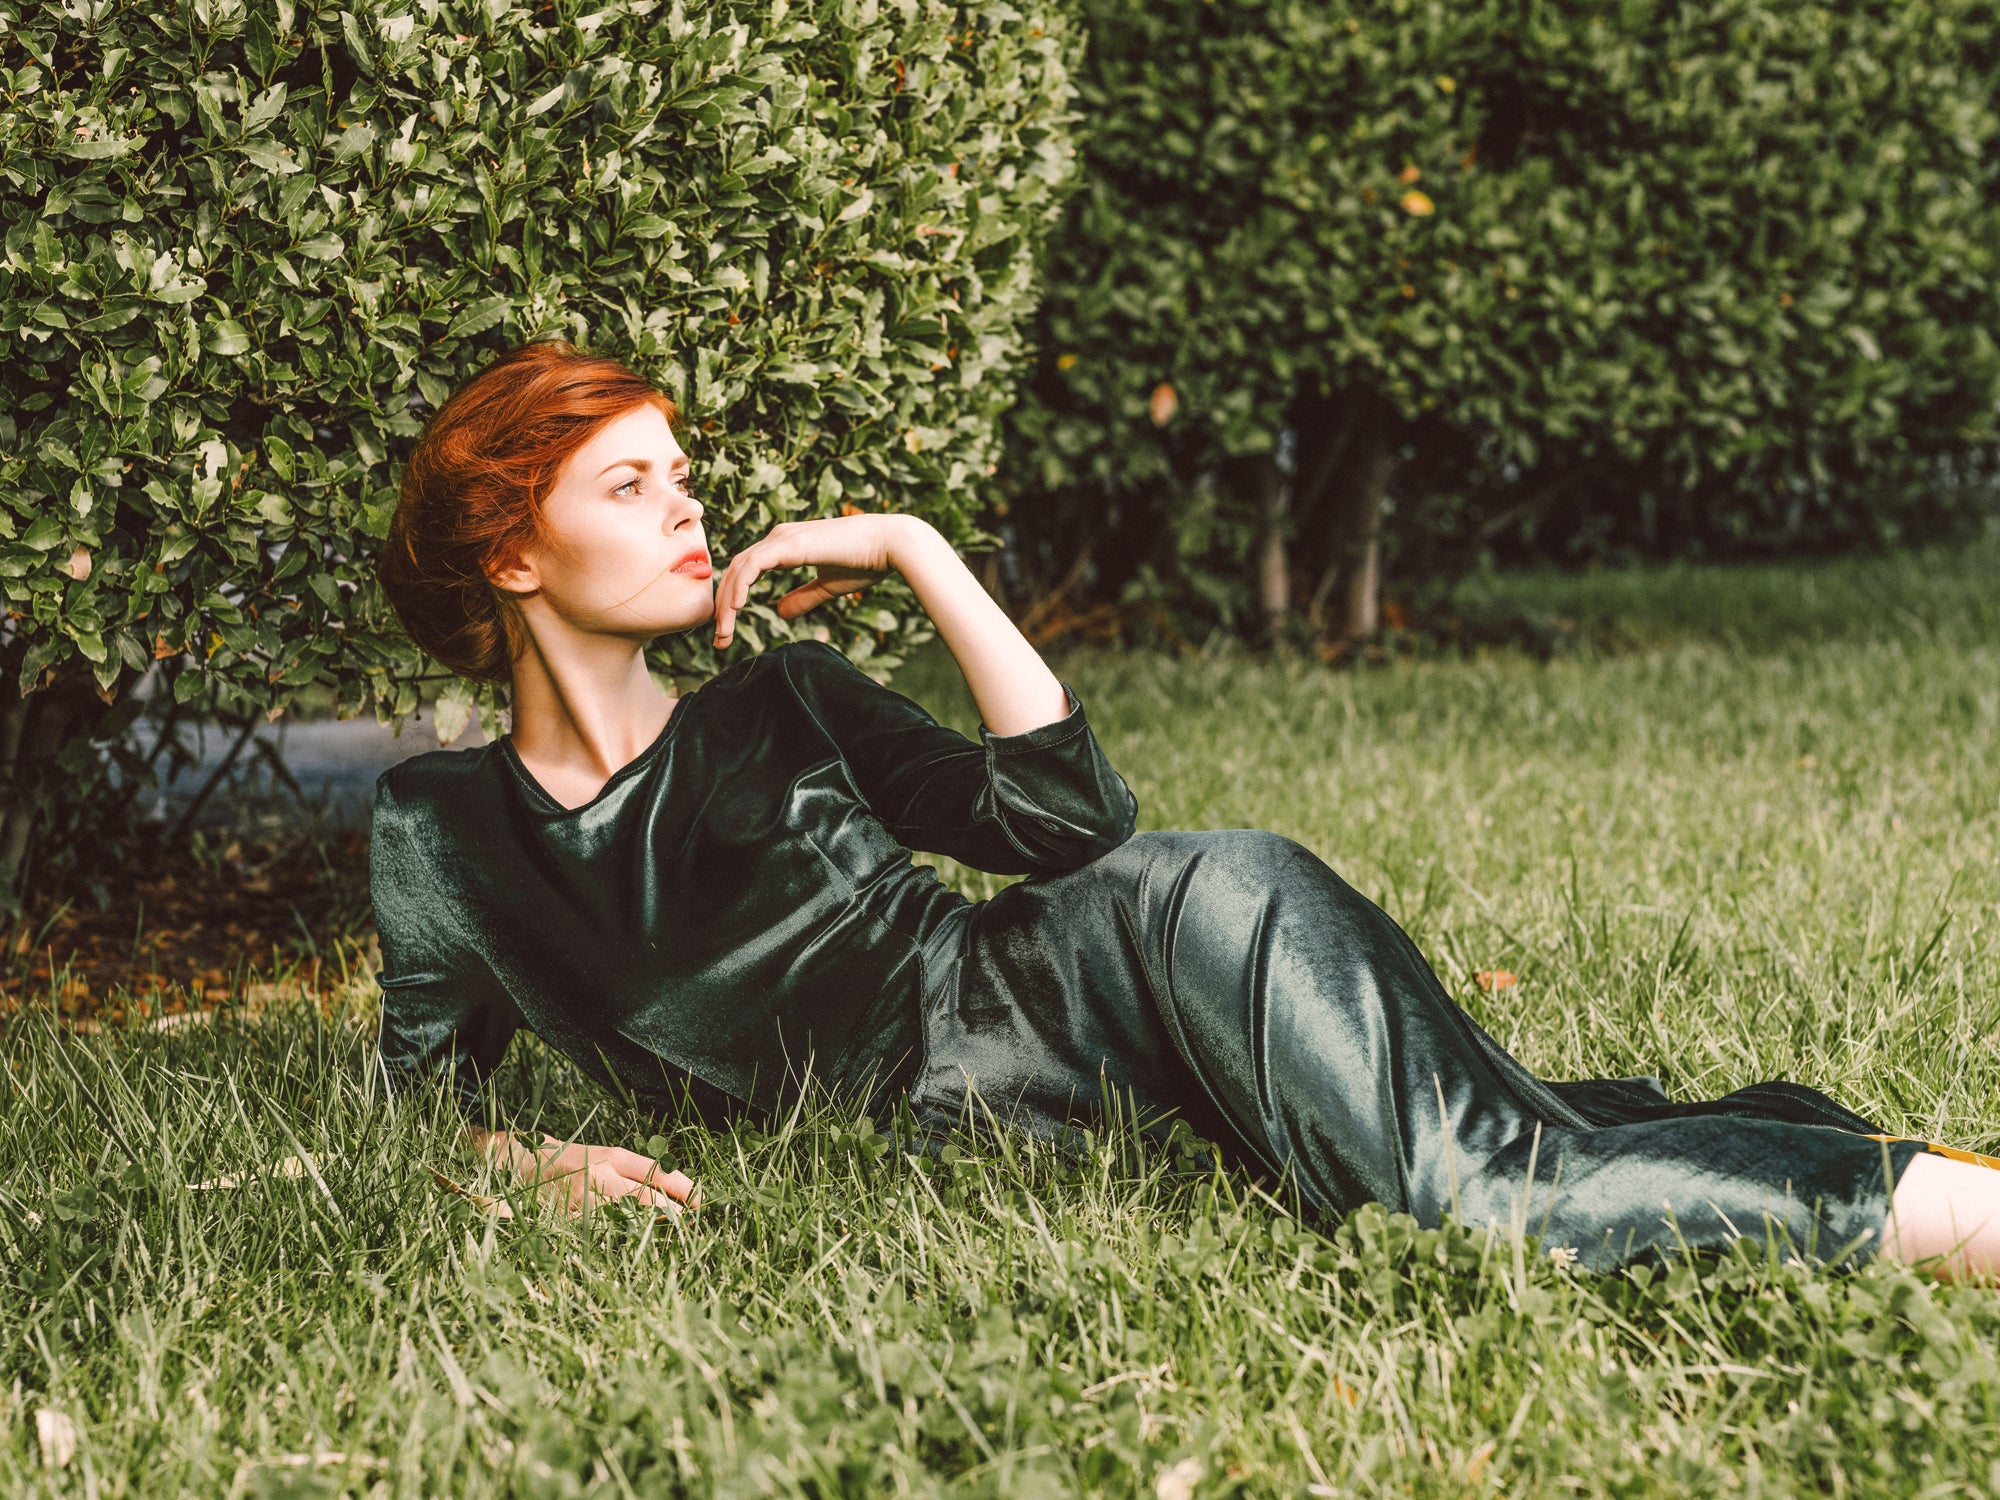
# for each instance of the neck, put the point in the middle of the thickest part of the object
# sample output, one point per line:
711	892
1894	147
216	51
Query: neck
584	703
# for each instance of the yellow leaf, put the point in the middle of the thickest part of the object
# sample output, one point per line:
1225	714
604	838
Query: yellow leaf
1418	203
1478	1460
1163	405
78	566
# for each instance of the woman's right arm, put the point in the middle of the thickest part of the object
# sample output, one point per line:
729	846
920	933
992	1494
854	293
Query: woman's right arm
444	1010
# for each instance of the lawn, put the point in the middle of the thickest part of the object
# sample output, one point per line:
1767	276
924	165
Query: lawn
1747	825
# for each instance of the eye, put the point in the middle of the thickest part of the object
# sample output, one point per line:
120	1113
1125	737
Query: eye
627	485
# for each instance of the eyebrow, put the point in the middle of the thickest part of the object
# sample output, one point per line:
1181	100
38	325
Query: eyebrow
643	465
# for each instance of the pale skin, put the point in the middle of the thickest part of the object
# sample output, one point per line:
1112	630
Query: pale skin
584	704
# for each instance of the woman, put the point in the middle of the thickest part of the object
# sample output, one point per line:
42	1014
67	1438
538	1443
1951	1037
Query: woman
694	896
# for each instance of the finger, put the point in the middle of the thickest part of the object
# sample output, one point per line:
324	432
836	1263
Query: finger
567	1191
734	593
721	614
610	1184
679	1186
675	1184
806	596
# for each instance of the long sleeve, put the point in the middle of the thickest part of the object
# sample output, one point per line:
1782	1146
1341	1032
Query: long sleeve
1036	803
442	1006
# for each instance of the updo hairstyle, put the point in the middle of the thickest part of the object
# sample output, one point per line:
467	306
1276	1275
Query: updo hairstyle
473	490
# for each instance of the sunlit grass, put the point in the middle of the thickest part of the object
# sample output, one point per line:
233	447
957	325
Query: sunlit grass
1727	856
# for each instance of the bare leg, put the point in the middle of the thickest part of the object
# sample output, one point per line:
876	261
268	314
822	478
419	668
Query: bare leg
1948	1213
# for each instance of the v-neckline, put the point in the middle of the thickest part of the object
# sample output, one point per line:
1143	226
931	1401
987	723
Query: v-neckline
536	789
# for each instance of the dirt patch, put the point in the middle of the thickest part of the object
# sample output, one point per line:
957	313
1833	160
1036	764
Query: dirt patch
239	916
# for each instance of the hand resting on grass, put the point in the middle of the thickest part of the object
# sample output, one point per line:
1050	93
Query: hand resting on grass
571	1172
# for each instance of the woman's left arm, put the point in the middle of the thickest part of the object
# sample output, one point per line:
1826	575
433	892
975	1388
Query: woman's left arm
1013	687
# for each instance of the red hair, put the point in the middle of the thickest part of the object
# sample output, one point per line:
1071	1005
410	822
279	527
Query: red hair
473	490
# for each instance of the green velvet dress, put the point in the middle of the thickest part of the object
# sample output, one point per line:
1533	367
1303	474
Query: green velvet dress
739	901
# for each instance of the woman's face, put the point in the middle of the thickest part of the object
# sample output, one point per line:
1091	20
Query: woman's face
635	562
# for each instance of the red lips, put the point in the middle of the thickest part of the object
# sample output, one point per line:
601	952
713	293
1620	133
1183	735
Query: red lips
695	564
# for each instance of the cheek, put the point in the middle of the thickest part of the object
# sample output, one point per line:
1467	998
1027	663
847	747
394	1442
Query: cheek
615	545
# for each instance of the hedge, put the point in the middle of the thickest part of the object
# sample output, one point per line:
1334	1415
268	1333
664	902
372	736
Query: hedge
249	246
1707	273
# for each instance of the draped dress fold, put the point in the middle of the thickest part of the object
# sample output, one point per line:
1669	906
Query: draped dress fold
737	910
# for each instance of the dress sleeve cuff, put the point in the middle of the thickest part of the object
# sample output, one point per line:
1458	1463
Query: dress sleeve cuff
1041	737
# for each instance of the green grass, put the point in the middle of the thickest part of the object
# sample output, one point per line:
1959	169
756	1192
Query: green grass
1746	850
1909	596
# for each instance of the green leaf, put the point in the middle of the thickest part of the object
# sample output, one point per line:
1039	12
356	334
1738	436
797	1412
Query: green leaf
479	317
101	150
116	315
46	532
547	101
270	156
260	48
227	337
269	106
357	43
354	140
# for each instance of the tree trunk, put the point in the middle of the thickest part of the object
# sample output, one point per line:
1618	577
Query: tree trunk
1326	430
1348	598
33	732
1273	492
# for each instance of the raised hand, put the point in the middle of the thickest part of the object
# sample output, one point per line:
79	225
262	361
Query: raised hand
847	553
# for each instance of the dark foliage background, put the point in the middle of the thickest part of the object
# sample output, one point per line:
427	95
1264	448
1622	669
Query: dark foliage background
1655	277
